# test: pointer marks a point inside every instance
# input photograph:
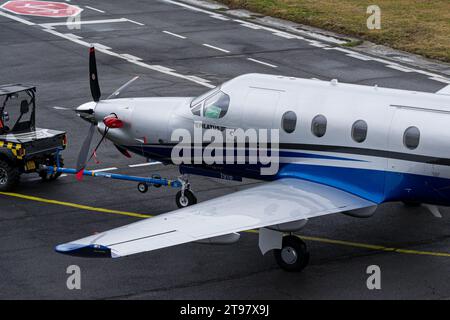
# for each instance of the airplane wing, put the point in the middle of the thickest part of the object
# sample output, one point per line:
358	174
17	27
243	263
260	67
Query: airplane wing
269	204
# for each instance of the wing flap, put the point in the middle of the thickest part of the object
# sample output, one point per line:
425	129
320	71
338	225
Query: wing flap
276	202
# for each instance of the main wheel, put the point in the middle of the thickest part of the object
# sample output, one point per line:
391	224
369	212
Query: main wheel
293	256
411	204
188	199
45	176
9	176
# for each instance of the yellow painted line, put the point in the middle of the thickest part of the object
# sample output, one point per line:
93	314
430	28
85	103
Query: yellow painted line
74	205
309	238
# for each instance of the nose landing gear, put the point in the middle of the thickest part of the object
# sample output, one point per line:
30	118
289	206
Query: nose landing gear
185	197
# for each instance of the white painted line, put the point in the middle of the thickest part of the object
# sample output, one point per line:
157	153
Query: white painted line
144	164
341	49
174	34
167	71
161	68
73	36
284	35
216	48
399	68
29	23
99	46
130	57
443	80
261	62
135	22
317	44
359	56
95	9
106	169
195	78
219	17
250	25
54	24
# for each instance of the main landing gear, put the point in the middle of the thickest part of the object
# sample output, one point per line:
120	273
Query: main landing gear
293	255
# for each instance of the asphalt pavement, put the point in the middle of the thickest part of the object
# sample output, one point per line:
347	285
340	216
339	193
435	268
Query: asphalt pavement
183	51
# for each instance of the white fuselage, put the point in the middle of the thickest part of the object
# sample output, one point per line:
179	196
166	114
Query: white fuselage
379	168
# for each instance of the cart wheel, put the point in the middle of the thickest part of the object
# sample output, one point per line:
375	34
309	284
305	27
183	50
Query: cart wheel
188	199
156	176
45	176
9	176
142	187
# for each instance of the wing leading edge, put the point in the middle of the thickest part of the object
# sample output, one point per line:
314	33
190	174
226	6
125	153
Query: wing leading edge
277	202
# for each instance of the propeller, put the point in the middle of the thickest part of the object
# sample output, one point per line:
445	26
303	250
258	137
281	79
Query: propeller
87	113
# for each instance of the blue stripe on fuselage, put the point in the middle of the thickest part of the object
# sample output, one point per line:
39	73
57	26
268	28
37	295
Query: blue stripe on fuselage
374	185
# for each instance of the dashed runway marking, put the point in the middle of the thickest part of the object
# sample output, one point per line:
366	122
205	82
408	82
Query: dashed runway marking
262	62
215	48
144	164
174	34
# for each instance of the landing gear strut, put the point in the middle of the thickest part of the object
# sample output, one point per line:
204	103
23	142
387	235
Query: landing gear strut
293	255
185	197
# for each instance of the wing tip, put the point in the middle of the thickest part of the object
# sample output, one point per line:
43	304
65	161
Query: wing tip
83	250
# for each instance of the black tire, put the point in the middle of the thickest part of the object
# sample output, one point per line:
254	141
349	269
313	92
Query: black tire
9	176
411	204
156	176
45	176
294	249
188	200
142	187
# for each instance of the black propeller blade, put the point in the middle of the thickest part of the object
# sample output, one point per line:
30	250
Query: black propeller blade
93	76
83	156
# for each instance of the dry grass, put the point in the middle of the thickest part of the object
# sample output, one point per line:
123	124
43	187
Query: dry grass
418	26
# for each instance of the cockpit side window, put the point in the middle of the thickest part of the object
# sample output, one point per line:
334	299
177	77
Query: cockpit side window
202	97
216	106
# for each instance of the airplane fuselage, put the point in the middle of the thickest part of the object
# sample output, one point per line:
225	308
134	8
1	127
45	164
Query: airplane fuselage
380	144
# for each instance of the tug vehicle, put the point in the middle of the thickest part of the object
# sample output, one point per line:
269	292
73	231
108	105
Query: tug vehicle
23	147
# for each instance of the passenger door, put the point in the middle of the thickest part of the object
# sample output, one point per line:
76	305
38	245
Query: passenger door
260	107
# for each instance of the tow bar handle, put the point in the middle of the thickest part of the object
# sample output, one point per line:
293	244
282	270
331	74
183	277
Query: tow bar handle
149	181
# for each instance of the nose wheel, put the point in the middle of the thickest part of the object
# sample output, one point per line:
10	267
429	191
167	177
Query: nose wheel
185	198
293	255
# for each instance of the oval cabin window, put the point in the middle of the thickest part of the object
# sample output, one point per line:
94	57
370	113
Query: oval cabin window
289	121
359	131
411	138
319	125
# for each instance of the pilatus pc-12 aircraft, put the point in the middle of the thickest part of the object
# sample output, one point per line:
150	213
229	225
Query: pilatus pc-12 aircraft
342	149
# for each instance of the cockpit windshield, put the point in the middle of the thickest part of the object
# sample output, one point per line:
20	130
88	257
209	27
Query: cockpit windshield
213	104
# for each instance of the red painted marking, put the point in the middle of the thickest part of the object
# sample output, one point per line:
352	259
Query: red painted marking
79	175
42	8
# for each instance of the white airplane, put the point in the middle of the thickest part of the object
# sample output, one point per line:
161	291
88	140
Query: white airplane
343	148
